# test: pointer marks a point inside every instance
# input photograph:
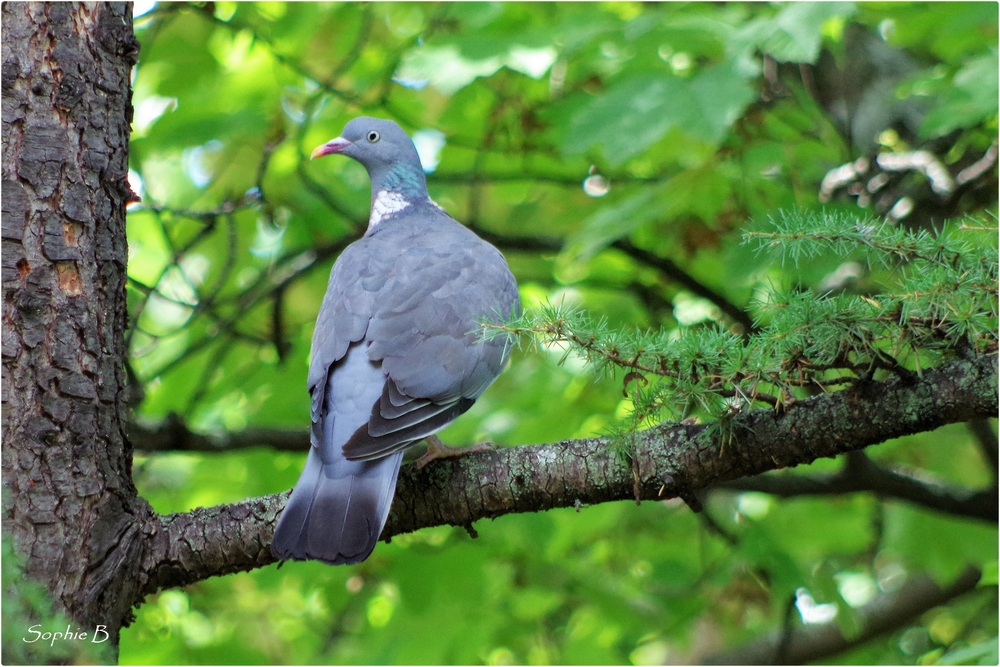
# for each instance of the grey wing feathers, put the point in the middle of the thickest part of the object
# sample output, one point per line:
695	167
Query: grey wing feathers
425	330
430	346
388	417
343	319
392	428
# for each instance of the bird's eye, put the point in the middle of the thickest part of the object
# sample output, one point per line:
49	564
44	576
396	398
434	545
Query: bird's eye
373	136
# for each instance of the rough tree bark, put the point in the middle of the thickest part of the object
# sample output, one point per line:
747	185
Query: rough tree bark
69	504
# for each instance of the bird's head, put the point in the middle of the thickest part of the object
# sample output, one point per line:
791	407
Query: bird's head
385	151
376	143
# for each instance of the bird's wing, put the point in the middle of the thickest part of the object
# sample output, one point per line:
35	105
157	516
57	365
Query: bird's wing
356	282
425	329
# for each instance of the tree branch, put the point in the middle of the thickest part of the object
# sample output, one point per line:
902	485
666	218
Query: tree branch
861	474
675	273
885	614
667	461
986	438
172	434
667	267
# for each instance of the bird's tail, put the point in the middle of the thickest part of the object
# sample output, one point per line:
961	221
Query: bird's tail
337	510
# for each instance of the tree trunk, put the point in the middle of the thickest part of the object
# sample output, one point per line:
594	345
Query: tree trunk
69	501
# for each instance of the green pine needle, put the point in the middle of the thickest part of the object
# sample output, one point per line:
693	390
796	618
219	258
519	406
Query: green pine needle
936	296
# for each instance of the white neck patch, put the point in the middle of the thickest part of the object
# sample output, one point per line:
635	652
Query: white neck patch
386	203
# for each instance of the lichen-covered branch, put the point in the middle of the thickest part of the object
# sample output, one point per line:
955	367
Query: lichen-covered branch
667	461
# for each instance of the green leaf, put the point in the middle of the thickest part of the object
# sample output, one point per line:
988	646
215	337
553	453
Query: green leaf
610	223
981	653
990	576
801	27
796	33
941	545
971	98
637	112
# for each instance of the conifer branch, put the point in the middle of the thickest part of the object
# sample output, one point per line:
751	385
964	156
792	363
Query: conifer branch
943	302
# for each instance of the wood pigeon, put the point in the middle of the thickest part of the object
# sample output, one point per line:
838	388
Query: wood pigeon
396	354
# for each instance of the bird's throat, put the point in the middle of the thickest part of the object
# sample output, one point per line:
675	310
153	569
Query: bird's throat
401	186
407	179
385	204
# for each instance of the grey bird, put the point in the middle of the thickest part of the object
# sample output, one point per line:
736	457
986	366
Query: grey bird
396	354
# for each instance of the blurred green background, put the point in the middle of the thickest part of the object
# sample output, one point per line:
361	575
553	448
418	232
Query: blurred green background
613	151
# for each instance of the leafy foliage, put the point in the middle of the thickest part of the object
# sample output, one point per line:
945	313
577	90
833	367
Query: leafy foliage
940	299
614	152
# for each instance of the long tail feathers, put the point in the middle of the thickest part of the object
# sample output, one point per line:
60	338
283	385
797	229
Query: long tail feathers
338	507
337	510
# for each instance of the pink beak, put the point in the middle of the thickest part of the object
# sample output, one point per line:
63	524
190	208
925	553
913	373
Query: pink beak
338	145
